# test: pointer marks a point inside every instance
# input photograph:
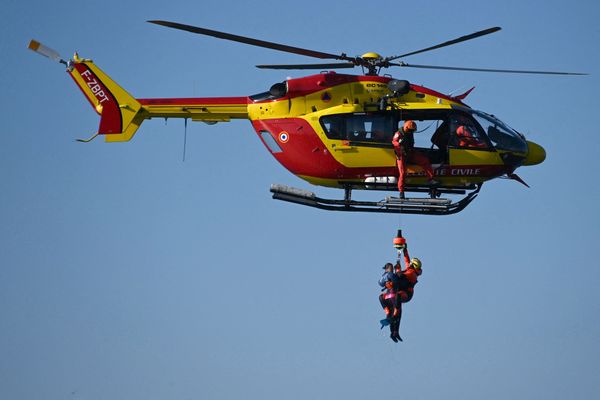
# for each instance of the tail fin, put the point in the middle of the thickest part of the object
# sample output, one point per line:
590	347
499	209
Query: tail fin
121	114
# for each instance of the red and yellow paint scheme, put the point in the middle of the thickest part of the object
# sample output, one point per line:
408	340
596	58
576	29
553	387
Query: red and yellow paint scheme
335	130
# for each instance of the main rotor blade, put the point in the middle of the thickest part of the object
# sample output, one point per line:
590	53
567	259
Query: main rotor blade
251	41
511	71
308	66
450	42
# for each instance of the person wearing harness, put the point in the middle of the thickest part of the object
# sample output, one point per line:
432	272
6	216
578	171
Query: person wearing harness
404	147
404	289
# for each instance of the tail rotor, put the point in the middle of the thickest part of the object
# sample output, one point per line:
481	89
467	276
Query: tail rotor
45	51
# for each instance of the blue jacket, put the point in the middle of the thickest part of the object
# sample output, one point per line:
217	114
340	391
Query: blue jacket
387	276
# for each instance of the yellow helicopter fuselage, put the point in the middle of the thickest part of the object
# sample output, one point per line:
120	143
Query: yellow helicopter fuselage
332	129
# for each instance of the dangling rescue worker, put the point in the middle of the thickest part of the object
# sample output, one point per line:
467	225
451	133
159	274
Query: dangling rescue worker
404	147
405	288
398	287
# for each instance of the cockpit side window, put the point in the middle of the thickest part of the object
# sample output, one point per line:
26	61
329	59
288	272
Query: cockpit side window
502	137
466	133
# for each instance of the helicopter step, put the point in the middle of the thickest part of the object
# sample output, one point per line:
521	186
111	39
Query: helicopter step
425	206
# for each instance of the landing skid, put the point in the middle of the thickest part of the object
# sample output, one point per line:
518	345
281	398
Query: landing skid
426	206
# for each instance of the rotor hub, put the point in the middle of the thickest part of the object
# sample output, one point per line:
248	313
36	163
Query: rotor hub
371	56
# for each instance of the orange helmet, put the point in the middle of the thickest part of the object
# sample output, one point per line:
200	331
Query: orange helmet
409	125
463	131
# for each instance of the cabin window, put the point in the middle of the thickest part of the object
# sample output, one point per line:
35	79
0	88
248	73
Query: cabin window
376	127
270	142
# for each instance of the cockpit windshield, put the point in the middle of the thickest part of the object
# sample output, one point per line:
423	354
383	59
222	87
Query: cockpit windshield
501	135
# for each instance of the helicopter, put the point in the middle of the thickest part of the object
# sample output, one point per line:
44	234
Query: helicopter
335	130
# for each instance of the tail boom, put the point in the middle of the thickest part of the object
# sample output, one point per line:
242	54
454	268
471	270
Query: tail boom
208	109
121	114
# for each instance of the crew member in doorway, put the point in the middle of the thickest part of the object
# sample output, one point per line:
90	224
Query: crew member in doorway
404	147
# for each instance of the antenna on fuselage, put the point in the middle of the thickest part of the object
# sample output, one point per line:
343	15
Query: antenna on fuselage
184	137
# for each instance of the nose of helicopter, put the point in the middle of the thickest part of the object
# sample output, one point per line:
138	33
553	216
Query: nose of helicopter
536	154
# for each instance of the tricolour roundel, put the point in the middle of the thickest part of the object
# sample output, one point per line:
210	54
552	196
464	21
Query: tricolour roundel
284	137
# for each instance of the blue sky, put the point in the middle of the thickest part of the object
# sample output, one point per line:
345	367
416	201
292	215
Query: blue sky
126	273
